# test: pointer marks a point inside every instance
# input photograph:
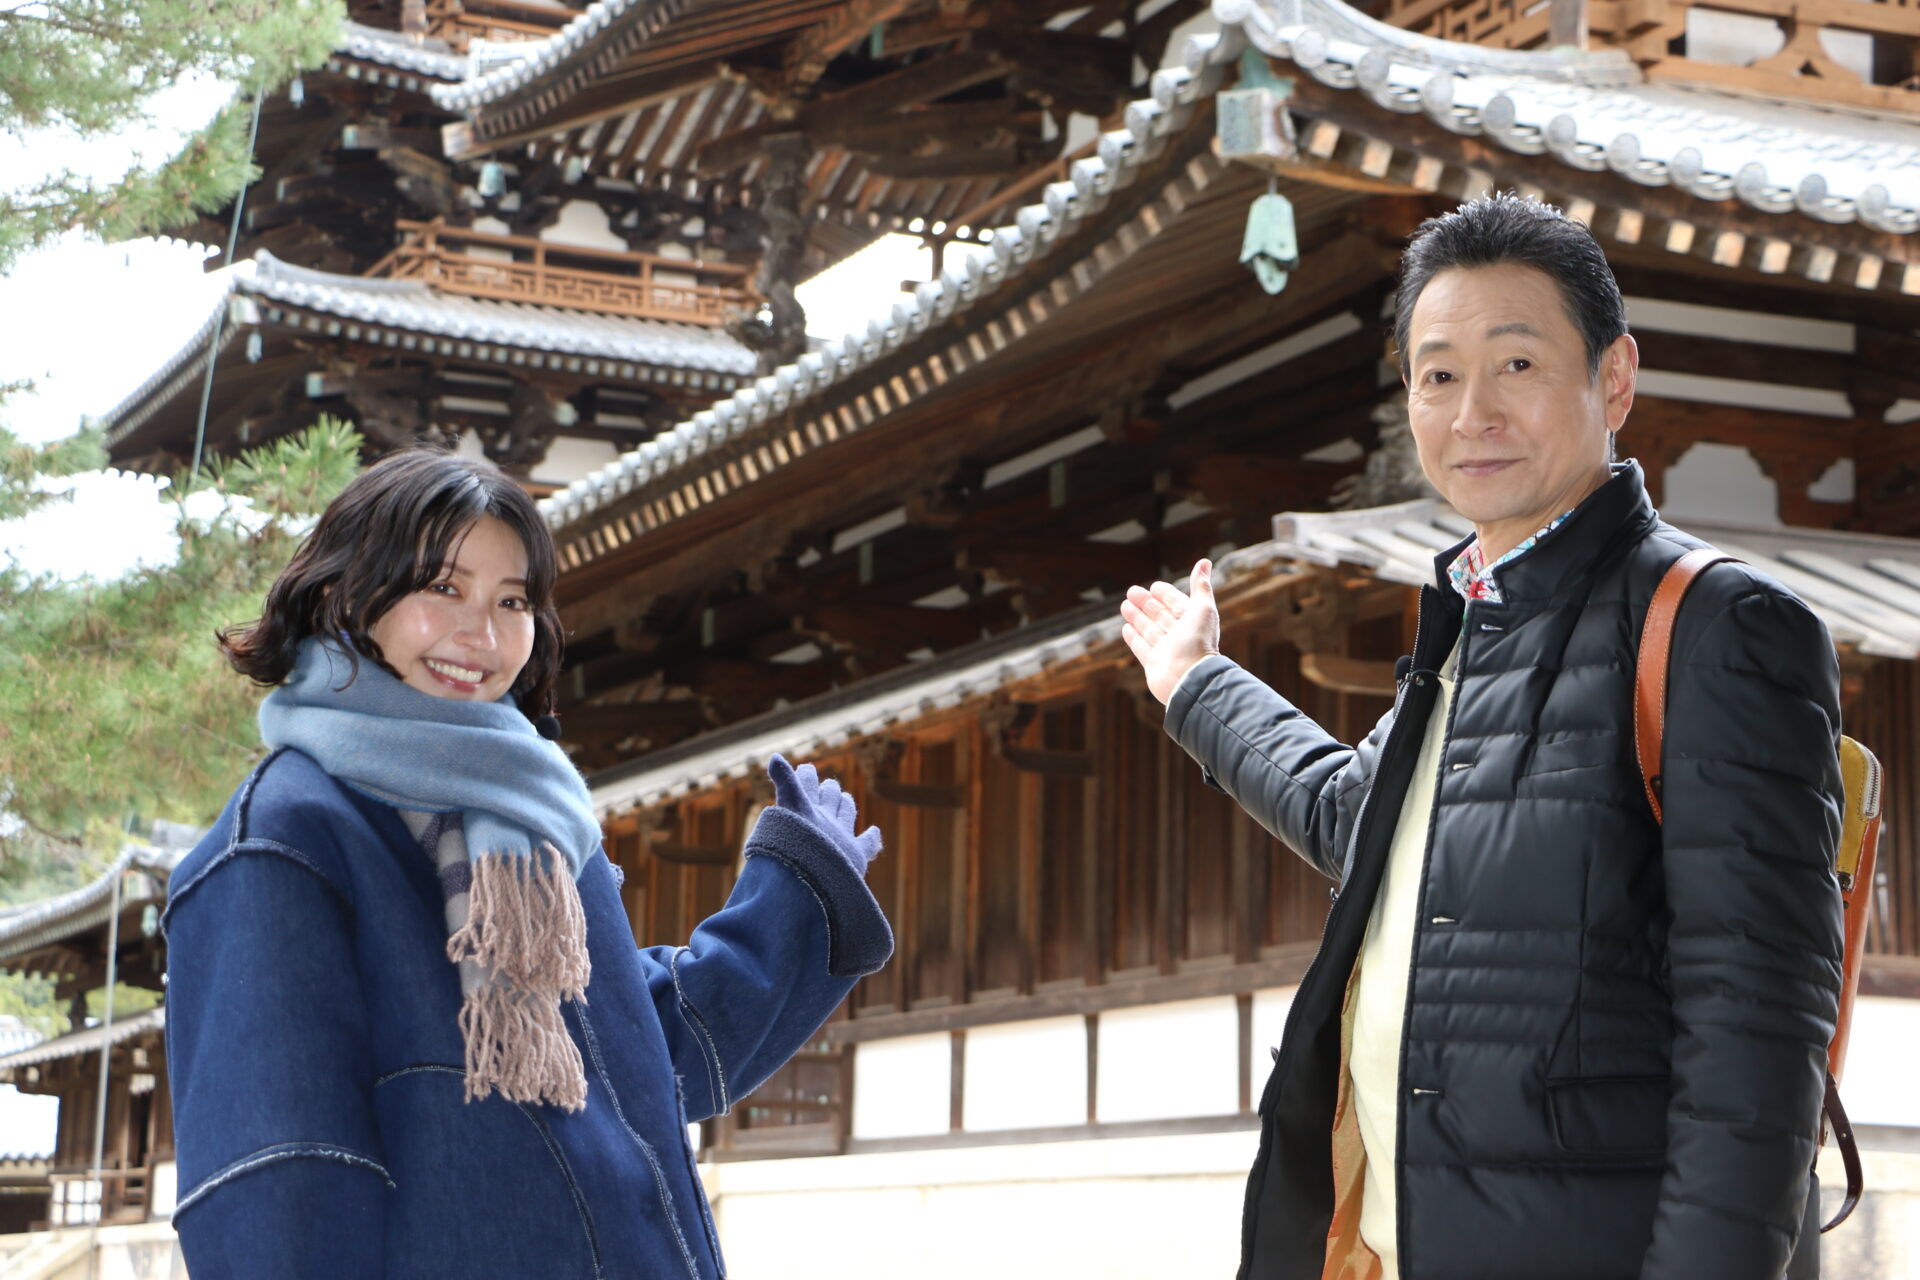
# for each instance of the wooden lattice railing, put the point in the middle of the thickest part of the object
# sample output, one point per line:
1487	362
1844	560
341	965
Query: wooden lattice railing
523	269
461	22
1656	33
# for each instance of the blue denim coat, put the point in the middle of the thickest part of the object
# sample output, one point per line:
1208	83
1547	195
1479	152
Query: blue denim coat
316	1061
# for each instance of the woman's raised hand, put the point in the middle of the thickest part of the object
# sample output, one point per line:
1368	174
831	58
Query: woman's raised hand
826	807
1169	630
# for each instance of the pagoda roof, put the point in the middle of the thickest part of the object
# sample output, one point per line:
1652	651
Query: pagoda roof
1588	110
87	1040
412	316
1597	112
32	925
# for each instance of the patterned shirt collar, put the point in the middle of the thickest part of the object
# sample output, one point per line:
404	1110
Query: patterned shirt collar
1472	576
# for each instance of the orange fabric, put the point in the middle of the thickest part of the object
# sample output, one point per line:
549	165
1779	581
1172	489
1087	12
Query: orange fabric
1348	1257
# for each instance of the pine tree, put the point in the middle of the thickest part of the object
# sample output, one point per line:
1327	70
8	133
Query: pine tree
116	705
91	68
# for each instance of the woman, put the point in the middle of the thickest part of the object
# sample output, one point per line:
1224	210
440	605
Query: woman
408	1031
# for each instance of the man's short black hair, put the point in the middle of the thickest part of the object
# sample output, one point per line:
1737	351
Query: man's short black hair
1506	228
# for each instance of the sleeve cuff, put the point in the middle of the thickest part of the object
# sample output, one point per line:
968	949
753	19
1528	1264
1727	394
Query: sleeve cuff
859	940
1191	686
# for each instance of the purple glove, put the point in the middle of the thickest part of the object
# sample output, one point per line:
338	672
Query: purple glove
824	807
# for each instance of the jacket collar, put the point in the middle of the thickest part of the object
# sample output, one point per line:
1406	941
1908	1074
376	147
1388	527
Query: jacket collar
1618	511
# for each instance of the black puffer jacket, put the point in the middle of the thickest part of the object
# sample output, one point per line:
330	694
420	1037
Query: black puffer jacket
1614	1043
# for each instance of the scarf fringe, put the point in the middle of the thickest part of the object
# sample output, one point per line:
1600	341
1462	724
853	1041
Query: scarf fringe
517	1042
526	928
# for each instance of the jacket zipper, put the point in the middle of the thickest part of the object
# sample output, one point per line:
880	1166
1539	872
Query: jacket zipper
1396	736
1420	902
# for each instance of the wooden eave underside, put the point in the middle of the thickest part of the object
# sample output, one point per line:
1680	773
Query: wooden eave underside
1156	252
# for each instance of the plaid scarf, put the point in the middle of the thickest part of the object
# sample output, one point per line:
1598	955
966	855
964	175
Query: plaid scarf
521	817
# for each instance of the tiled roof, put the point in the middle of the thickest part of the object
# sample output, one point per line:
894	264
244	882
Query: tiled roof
555	53
1595	111
413	306
33	925
1034	232
88	1040
396	313
1866	588
392	49
967	674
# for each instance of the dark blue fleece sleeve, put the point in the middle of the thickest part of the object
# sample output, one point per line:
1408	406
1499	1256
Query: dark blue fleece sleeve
760	976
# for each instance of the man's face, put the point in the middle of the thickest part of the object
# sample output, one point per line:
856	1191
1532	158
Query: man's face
1510	427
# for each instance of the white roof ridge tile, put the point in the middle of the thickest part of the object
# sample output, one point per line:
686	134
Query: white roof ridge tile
481	88
1596	110
396	49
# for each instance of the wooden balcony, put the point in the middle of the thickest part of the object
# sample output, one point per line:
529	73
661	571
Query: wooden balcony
1685	40
523	269
461	22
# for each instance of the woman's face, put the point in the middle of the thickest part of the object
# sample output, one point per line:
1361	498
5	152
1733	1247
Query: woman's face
467	633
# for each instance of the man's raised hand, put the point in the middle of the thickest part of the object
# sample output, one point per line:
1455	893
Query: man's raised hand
1169	631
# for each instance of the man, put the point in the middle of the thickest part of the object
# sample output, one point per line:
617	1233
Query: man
1544	1037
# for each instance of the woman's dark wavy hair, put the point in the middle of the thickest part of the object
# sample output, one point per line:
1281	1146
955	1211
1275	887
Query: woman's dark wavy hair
387	535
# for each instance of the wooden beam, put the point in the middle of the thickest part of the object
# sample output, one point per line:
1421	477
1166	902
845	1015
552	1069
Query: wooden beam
689	855
890	629
632	718
1342	674
848	24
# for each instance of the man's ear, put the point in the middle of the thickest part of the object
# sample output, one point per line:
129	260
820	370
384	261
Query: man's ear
1619	375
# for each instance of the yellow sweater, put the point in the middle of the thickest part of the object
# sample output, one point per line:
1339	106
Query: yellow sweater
1381	976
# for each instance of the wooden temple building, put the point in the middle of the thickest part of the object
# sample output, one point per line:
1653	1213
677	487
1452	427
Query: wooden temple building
897	552
120	1175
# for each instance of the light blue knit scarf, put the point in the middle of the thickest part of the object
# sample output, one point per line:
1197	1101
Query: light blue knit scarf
529	828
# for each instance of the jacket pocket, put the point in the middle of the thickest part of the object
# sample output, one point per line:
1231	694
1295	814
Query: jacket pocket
1614	1116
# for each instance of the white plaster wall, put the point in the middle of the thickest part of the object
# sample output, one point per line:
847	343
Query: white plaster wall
583	224
1025	1075
1878	1085
903	1088
164	1191
1123	1209
1716	483
1269	1020
571	457
1166	1061
492	227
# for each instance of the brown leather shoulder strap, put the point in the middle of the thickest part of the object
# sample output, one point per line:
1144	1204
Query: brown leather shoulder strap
1650	668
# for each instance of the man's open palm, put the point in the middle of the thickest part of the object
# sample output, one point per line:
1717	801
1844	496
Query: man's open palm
1169	630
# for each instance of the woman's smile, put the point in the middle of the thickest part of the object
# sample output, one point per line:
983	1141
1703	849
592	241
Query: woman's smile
455	676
